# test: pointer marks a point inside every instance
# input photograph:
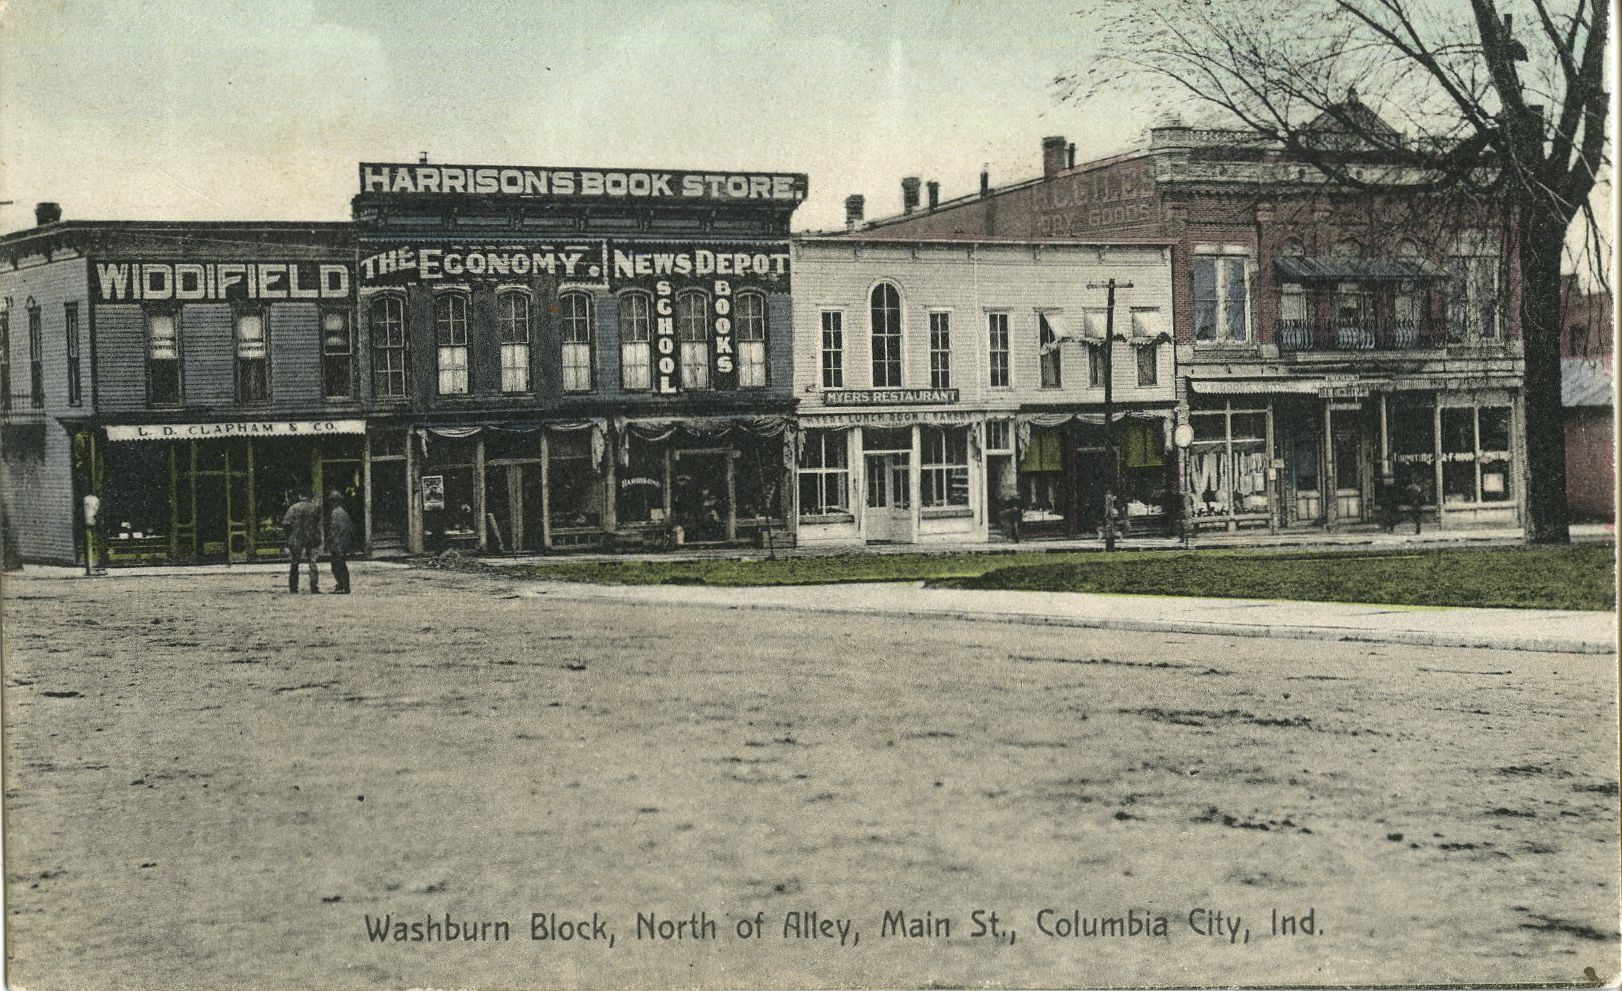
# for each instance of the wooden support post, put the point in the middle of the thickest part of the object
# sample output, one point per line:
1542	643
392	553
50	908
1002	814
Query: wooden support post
732	494
515	507
413	490
1436	453
366	493
479	507
1331	476
1272	478
546	491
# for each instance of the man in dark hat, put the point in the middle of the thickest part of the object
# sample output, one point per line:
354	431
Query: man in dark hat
303	526
340	538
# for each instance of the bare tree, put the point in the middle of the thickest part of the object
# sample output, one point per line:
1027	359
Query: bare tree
1515	123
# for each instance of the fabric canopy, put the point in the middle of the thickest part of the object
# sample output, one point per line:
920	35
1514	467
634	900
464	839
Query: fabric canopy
1336	268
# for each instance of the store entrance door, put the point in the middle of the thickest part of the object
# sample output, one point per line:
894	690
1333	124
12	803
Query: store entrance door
221	502
1351	470
701	495
512	506
888	519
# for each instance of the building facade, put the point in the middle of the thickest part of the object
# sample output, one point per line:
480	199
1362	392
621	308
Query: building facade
954	390
189	378
564	357
1342	357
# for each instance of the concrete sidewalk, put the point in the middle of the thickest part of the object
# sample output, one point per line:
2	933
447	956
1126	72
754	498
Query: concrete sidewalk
1562	631
1309	540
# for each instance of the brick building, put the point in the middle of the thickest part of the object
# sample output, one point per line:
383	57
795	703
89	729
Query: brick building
1339	354
190	376
564	357
1588	398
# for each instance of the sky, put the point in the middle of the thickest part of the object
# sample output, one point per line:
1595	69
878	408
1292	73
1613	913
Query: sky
201	110
261	109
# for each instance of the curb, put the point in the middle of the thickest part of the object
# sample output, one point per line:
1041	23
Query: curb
1410	638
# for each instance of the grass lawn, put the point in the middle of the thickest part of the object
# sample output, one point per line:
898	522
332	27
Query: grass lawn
1581	577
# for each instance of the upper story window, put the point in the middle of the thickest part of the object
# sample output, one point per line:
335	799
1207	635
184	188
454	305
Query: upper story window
884	315
5	357
575	311
36	357
450	337
253	357
1146	331
833	349
692	330
636	342
162	358
337	354
998	365
1473	307
940	350
1048	351
390	378
70	326
1221	299
750	322
512	320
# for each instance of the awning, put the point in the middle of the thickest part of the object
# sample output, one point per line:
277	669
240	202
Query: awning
231	429
1256	387
1342	268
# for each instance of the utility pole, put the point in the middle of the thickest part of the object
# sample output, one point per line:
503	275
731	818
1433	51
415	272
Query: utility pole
1112	451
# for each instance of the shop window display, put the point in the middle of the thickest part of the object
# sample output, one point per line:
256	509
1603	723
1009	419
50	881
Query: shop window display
1143	469
945	467
824	476
1227	473
574	484
1041	477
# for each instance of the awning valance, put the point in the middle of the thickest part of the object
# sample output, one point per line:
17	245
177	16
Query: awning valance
1343	268
1257	387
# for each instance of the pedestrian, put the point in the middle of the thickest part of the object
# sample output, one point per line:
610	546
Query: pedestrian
340	537
1415	494
303	526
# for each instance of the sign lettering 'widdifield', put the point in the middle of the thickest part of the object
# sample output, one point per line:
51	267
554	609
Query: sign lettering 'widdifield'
123	282
548	182
235	428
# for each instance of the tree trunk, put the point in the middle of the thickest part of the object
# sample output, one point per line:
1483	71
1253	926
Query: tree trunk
1540	254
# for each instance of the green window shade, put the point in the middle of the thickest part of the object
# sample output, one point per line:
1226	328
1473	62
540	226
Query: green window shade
1043	453
1140	446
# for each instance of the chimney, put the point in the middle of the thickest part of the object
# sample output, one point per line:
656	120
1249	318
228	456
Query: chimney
1052	155
934	194
1070	156
47	213
422	158
985	180
853	211
909	194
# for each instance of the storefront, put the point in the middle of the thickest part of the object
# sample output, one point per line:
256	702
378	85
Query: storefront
215	492
1316	453
533	486
898	477
1064	472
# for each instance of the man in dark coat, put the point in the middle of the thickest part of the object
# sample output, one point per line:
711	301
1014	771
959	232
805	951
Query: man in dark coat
303	526
340	538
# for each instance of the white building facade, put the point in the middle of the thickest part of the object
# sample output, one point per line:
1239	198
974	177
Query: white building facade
954	391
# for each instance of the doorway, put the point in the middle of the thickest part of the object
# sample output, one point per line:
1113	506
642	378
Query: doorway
889	498
701	495
1351	467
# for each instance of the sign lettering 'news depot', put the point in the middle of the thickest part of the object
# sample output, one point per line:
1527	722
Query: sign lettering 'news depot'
547	182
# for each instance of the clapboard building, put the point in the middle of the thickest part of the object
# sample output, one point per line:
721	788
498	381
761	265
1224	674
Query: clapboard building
189	377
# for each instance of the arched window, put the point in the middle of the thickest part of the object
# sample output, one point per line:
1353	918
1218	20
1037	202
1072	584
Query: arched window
636	341
692	330
512	317
884	315
750	321
450	336
389	347
575	312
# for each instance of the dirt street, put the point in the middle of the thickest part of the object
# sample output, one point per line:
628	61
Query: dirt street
210	783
